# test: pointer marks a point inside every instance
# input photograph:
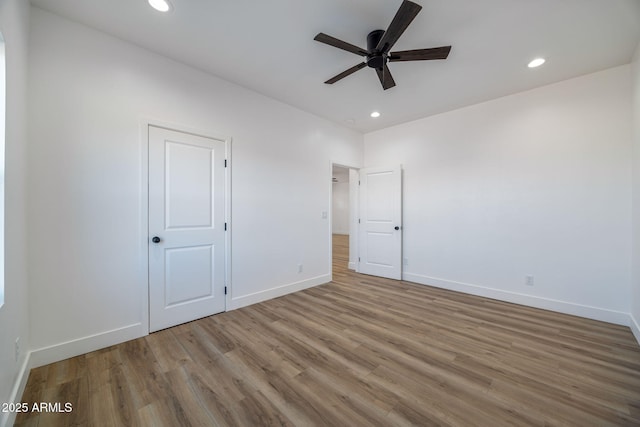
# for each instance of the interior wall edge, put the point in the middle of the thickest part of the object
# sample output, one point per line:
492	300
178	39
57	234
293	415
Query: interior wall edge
635	202
14	312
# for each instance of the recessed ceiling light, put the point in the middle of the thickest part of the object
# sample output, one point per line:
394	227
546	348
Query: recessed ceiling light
536	63
160	5
375	114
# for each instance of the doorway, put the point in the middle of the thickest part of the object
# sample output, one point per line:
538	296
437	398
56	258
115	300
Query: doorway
344	217
367	220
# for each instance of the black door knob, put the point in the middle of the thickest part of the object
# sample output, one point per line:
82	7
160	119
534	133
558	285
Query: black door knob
396	228
156	239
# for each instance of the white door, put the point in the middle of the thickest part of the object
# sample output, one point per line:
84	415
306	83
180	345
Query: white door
381	222
186	227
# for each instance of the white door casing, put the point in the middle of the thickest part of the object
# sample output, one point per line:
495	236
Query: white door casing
380	249
186	227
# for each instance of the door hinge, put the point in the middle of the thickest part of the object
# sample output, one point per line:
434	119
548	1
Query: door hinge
225	290
358	259
358	220
225	226
225	163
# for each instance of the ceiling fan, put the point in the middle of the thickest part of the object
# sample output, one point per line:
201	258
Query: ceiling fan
379	44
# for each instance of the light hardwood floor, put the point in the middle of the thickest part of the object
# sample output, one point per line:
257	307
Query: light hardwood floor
358	351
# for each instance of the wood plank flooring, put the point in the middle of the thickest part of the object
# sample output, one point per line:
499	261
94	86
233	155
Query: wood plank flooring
359	351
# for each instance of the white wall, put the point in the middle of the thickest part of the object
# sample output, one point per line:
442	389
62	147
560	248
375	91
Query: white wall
88	95
635	282
537	183
14	24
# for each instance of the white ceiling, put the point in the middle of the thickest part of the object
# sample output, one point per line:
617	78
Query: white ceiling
268	46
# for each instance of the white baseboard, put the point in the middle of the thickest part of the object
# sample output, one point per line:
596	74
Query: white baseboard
8	418
65	350
635	328
595	313
245	300
76	347
54	353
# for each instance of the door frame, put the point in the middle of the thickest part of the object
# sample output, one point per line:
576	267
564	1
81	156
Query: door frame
353	217
144	207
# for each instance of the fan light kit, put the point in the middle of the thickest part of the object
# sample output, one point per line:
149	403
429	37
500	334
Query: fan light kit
379	44
536	63
160	5
375	114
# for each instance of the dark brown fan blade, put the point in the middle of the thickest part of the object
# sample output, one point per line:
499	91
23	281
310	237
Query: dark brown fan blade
385	77
332	41
420	54
405	14
346	73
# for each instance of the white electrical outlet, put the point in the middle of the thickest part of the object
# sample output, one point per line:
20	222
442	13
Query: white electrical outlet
17	348
405	261
528	280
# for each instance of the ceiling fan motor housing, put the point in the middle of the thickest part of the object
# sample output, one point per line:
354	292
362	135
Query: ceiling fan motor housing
375	59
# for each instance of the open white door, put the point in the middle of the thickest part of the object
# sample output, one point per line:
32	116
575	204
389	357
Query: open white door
186	227
381	222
